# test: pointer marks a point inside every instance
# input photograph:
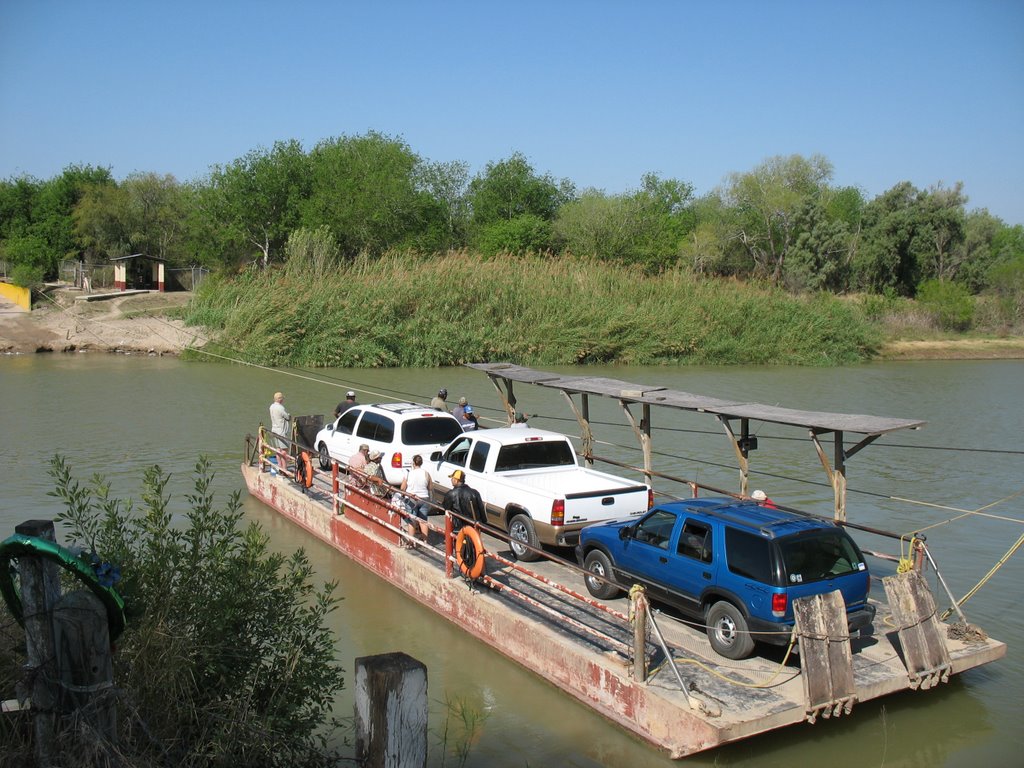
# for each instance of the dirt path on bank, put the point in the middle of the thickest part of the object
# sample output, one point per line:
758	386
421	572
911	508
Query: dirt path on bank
1011	348
135	323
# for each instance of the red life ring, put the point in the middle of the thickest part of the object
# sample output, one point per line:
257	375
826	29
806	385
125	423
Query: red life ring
304	470
469	553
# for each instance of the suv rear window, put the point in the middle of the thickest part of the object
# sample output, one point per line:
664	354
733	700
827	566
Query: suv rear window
552	453
819	554
430	431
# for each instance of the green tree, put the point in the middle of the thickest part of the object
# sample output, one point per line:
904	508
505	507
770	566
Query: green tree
155	214
978	250
644	227
890	252
949	303
100	222
18	198
510	189
821	254
447	183
767	201
368	190
942	231
227	659
256	200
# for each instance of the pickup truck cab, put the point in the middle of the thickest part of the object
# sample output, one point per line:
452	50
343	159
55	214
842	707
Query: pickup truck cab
533	486
734	566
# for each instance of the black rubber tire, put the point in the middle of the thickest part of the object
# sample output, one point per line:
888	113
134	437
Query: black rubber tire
520	529
597	562
727	631
325	457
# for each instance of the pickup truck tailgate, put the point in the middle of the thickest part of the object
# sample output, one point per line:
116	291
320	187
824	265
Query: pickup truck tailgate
594	495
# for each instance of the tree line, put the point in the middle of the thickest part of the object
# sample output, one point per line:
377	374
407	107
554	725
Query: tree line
363	196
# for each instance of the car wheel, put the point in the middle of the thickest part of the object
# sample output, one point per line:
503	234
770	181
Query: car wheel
727	631
597	563
521	531
325	457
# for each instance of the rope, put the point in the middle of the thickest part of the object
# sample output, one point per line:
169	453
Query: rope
974	590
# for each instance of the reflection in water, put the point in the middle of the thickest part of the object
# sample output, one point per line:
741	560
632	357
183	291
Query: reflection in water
116	415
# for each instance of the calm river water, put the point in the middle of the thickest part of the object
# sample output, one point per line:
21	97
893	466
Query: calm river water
118	414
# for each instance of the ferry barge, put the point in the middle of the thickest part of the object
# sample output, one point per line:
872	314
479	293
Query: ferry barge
652	675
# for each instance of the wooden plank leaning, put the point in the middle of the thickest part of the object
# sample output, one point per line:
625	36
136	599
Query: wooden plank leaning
825	655
920	632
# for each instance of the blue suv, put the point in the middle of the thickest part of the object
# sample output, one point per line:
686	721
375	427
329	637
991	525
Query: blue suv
735	566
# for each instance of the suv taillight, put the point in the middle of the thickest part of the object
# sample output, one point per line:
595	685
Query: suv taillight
650	498
779	600
558	512
396	460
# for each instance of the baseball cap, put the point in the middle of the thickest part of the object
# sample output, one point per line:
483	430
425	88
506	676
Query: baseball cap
759	495
469	409
350	393
458	474
442	392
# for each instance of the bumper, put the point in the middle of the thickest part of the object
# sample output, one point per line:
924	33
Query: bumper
778	632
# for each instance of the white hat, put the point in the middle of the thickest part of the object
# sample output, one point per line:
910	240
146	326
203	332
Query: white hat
759	495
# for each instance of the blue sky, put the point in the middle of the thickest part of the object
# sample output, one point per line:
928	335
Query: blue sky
597	92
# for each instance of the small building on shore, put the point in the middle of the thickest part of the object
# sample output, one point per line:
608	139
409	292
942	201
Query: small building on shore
139	271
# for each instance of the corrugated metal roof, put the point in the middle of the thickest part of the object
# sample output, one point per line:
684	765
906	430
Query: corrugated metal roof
670	398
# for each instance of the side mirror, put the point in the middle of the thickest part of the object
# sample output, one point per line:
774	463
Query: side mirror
626	532
435	456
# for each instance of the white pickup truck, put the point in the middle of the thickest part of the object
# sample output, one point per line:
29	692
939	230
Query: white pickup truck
533	486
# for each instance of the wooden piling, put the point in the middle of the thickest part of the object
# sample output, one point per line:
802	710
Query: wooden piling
40	589
391	711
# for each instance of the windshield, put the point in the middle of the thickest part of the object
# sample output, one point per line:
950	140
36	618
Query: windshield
820	554
430	431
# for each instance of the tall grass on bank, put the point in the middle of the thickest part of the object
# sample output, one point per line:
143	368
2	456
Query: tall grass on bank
405	310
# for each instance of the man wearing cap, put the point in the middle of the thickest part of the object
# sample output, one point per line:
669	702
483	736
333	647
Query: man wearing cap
459	411
350	400
375	475
468	419
357	462
464	501
440	401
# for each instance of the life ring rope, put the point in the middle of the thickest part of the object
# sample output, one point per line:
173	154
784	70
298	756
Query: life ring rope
21	545
469	553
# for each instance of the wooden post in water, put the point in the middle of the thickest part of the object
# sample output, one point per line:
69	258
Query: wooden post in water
391	711
40	589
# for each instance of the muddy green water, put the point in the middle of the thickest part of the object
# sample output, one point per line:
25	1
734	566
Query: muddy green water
118	414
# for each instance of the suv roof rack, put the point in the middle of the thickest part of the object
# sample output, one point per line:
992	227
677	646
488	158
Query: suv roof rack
767	528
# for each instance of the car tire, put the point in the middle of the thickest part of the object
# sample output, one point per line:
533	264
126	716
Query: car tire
598	563
727	631
520	529
325	457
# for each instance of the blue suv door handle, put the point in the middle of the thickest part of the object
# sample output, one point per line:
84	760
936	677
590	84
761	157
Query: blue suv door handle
662	559
707	575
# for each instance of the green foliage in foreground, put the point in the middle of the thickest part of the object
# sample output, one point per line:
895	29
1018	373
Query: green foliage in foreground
409	311
226	660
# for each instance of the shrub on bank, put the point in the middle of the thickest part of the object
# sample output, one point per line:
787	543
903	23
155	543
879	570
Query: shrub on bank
226	660
404	310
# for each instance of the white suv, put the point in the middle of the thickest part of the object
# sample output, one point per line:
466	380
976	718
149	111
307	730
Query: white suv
398	430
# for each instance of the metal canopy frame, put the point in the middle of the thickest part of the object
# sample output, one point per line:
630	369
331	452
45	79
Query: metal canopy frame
818	424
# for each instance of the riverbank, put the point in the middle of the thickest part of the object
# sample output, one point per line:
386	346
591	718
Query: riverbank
148	324
133	324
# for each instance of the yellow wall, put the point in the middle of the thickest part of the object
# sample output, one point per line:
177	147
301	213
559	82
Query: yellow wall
20	296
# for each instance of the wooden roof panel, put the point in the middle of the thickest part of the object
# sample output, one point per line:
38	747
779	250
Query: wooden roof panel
656	395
